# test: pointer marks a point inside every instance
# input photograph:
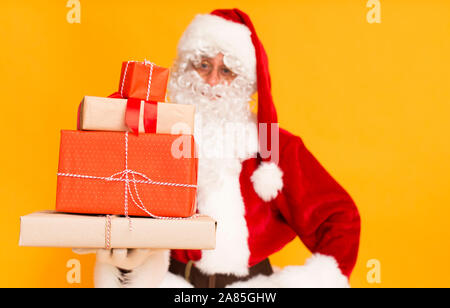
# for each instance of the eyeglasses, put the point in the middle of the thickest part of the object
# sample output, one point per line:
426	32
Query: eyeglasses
206	67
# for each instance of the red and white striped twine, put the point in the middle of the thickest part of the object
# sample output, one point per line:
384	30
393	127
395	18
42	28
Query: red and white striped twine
108	232
149	78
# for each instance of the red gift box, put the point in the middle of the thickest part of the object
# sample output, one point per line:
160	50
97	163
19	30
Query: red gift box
143	80
121	174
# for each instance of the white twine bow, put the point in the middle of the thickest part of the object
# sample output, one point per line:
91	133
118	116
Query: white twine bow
150	75
124	176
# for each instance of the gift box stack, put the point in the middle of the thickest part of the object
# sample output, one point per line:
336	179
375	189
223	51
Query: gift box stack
127	178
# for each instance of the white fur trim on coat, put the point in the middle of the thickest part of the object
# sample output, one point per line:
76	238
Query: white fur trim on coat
213	32
267	180
219	196
221	199
175	281
319	271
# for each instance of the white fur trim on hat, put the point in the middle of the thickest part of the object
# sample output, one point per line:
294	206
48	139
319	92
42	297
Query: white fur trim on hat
267	180
208	32
319	271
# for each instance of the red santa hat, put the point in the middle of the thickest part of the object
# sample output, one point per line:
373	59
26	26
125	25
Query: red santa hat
232	32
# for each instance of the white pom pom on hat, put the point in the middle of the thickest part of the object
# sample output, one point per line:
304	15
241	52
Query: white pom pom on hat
267	181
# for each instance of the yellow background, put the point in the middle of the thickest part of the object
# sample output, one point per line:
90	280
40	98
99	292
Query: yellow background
372	102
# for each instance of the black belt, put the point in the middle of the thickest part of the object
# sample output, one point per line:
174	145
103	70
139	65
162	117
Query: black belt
200	280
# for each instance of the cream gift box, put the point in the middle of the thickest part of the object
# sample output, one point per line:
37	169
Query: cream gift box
108	114
52	229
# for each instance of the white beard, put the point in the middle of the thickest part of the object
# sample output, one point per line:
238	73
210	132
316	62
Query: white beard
226	132
225	127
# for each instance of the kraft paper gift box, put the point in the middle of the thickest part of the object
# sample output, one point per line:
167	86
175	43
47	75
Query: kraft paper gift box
52	229
143	80
123	174
108	114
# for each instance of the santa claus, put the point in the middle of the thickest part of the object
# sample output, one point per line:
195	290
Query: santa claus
260	183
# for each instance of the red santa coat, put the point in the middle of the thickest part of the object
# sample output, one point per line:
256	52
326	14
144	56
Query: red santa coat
297	198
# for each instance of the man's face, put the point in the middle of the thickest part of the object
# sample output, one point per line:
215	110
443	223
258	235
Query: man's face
214	71
219	94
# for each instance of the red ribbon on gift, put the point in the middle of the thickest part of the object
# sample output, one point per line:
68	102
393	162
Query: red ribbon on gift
134	100
133	112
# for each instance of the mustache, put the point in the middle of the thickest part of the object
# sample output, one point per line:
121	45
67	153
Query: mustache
191	84
201	88
219	104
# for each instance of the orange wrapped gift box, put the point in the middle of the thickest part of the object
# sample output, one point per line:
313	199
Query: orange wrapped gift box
143	80
122	174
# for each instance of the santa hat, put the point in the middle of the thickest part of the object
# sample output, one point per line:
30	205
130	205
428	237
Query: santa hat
232	32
